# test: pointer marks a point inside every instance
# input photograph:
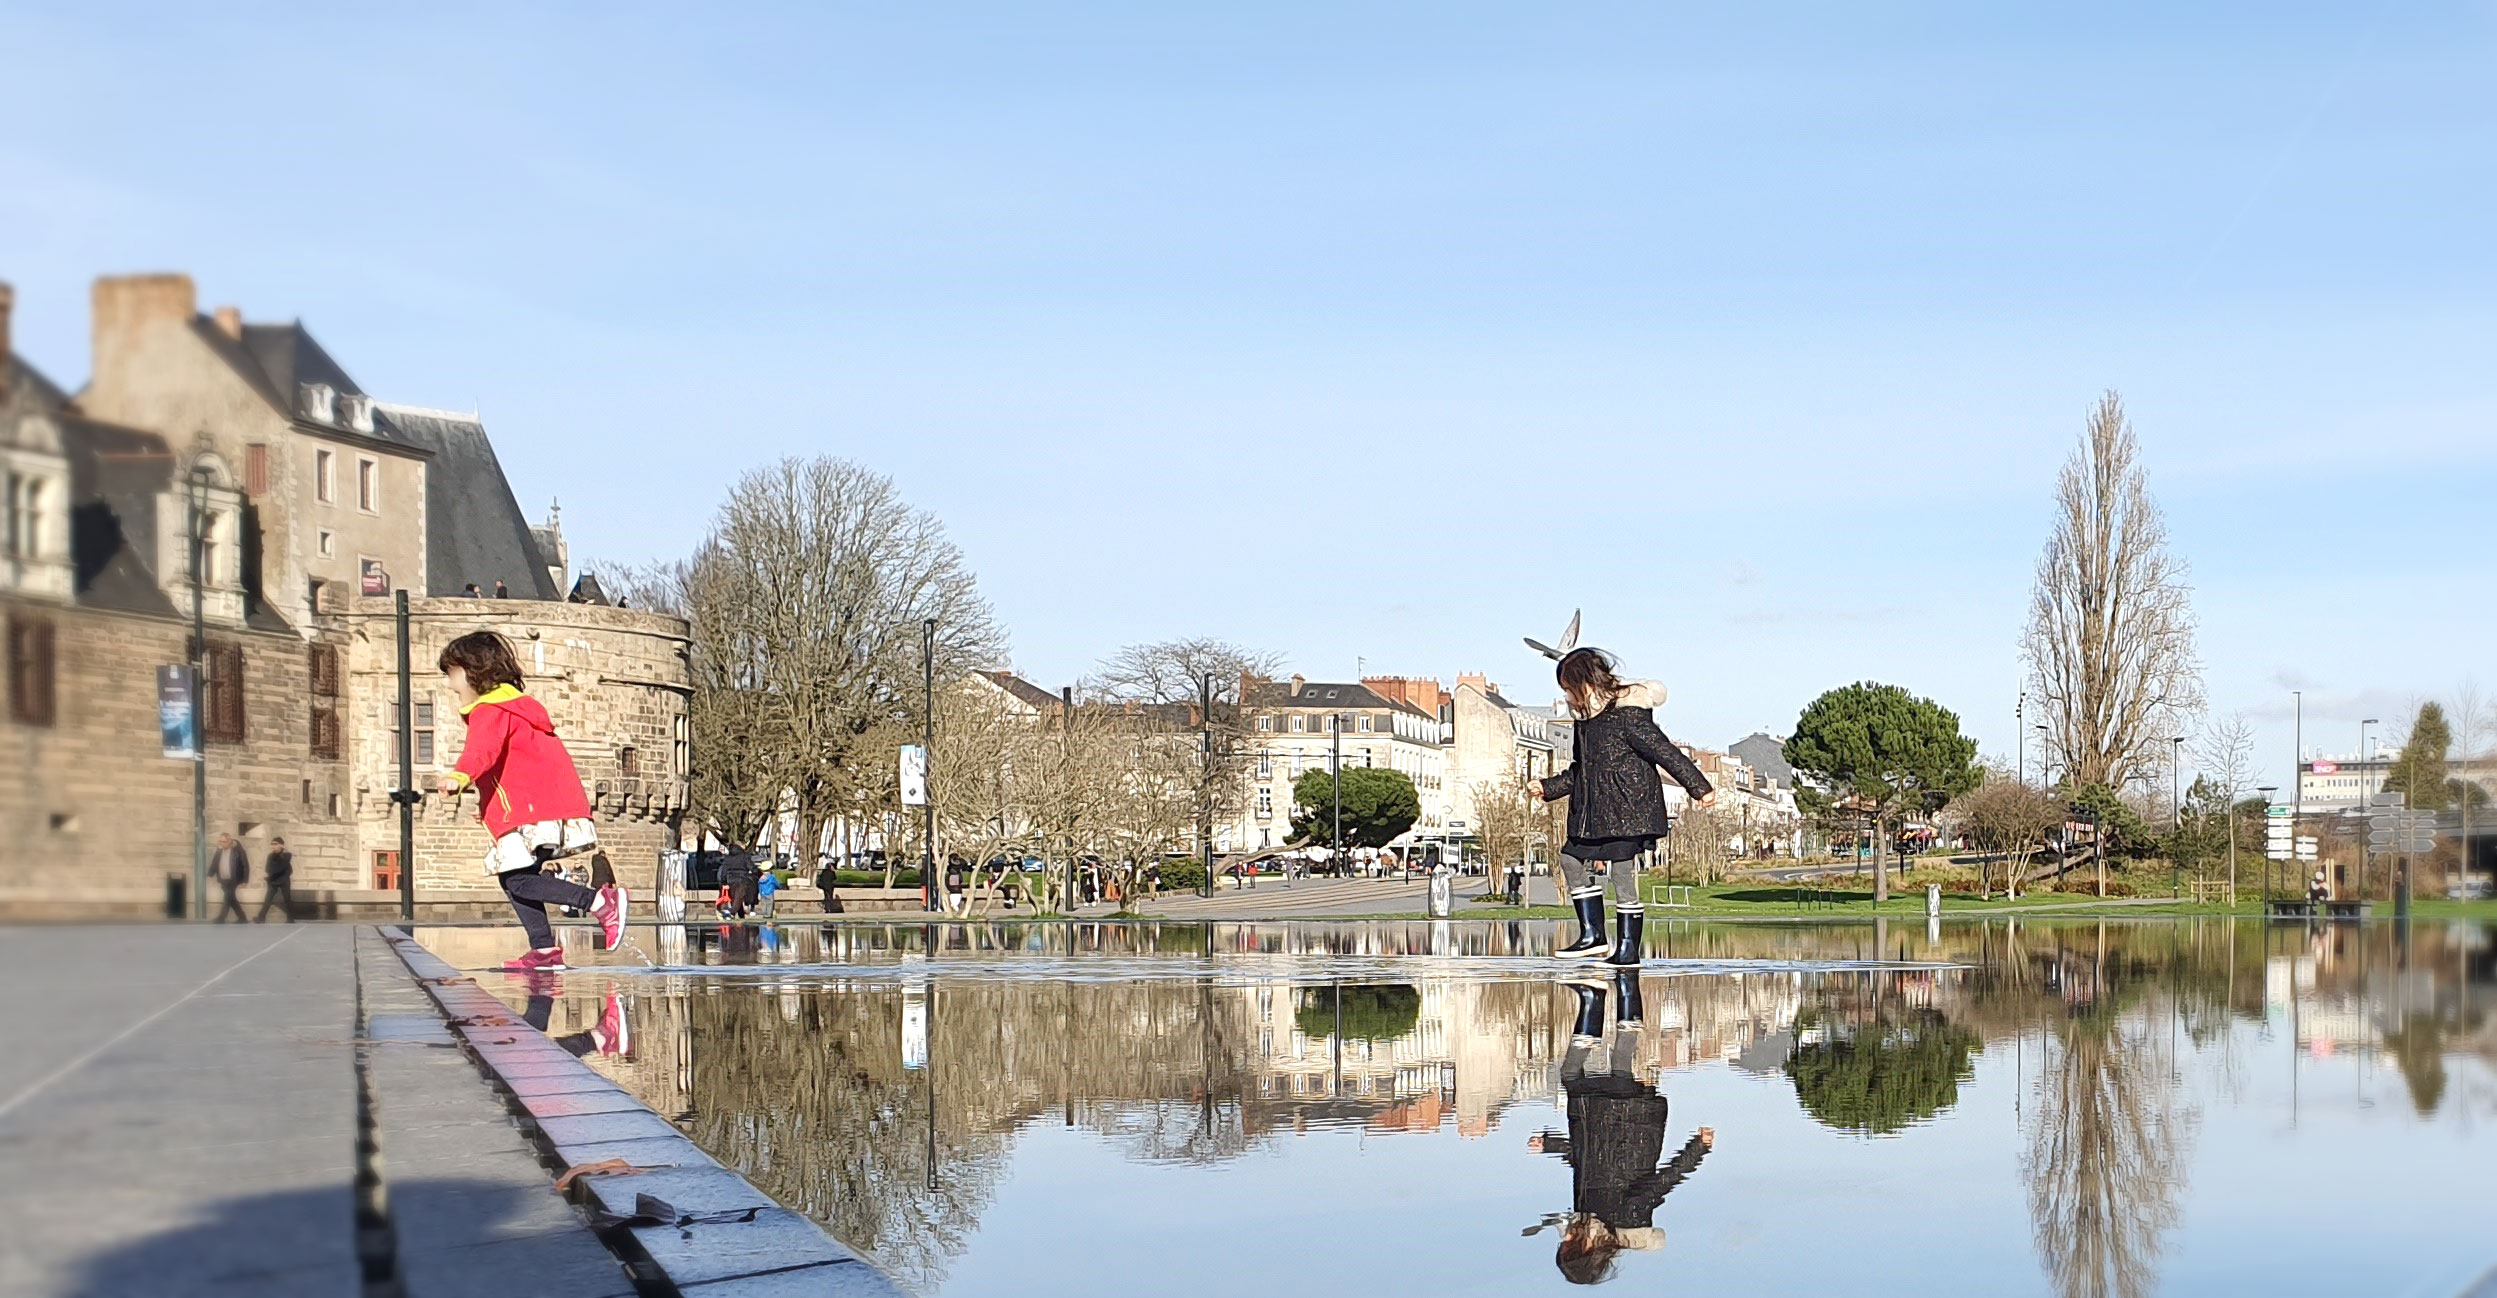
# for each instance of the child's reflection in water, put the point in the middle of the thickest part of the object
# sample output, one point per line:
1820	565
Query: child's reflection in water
1616	1134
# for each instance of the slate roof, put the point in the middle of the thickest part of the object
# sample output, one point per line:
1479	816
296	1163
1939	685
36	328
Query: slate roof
27	388
115	475
1765	753
474	531
1336	695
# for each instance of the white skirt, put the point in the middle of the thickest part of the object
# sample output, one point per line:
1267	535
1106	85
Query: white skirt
534	844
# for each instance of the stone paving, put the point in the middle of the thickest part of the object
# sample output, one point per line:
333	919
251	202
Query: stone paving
180	1110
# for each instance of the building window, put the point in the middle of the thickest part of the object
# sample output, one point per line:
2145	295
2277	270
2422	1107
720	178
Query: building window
328	544
424	734
1365	725
223	710
682	763
324	477
324	671
256	469
30	671
21	530
209	564
628	762
1265	804
1299	724
335	806
1266	724
386	871
1265	765
368	486
328	743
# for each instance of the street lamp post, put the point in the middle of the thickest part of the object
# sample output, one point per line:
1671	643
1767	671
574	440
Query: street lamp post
1335	761
2366	849
1205	796
2267	790
198	484
2176	808
928	885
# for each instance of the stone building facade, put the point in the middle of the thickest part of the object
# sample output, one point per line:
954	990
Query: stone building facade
233	473
616	683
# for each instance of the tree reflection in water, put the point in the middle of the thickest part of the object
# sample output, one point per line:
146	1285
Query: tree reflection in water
798	1078
2111	1136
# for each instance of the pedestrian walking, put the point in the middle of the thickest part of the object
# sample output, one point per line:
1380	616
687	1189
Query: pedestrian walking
1616	802
1616	1134
766	889
528	793
230	866
277	871
956	899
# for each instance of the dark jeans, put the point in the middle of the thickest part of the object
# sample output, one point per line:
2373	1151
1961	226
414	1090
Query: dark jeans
531	890
278	888
233	904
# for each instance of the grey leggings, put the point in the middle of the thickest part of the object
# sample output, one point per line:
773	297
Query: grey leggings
1578	879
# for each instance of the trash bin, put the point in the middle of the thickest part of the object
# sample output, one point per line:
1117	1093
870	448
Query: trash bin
1443	893
177	896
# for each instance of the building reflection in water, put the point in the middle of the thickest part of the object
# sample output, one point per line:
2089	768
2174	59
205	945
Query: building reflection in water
1199	1043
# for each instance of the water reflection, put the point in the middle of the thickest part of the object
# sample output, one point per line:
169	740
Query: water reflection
931	1093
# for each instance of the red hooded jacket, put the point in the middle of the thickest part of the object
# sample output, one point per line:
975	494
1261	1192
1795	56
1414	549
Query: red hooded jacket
520	769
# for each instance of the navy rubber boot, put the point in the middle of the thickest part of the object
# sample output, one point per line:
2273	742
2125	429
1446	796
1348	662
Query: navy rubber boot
1633	946
1590	941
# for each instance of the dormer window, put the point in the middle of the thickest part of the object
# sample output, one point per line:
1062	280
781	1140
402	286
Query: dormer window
202	503
355	410
317	402
34	513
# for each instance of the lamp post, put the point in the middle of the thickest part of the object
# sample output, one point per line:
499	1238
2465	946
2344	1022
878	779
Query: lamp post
2176	808
928	884
1205	796
1335	762
2366	850
2267	790
198	484
2045	754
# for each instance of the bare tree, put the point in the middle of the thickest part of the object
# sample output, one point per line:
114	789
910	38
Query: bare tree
807	601
2110	641
1504	821
2011	819
2224	759
1206	677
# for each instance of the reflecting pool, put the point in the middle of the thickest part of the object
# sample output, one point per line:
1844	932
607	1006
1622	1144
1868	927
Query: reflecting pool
1389	1108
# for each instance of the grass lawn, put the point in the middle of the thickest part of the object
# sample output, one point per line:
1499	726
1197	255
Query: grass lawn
1798	901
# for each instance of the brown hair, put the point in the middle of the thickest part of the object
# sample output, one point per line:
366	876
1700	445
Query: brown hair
486	657
1587	678
1587	1247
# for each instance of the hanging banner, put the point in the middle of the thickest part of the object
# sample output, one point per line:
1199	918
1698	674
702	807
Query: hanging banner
914	775
177	712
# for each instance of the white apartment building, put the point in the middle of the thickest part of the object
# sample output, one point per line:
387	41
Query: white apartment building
1296	727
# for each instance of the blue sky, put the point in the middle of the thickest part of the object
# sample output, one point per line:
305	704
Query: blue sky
1391	332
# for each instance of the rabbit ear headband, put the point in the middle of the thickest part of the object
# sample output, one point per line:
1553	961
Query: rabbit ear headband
1569	640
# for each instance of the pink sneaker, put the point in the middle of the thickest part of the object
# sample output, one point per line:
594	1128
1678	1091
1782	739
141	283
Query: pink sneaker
609	909
548	960
613	1034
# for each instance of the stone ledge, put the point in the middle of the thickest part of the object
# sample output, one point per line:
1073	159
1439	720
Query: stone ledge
727	1238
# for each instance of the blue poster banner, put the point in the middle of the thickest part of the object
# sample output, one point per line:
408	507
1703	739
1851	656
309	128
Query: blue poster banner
177	711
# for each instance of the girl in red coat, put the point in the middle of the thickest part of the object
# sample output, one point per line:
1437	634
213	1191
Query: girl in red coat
528	793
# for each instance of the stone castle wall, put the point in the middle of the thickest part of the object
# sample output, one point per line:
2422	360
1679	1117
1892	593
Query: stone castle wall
93	816
616	682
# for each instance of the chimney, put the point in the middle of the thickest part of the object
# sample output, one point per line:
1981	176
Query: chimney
230	322
128	311
8	303
1477	680
1298	680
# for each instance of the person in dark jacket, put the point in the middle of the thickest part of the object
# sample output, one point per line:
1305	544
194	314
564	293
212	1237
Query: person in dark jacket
1616	1134
230	866
1616	802
278	890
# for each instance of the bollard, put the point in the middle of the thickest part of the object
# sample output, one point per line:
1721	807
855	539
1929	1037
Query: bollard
1442	893
1933	900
